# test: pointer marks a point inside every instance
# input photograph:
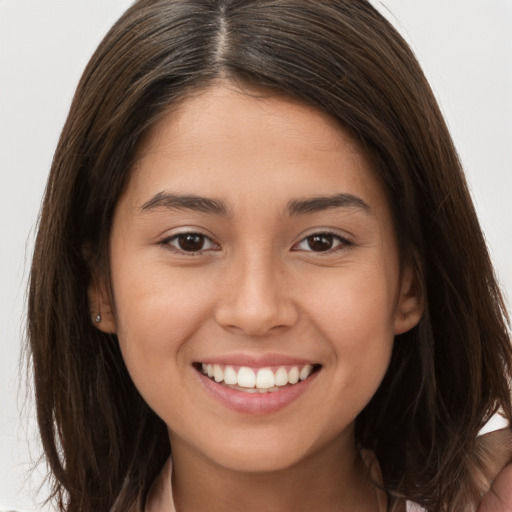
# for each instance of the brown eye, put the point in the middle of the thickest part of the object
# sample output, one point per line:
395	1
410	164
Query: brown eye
321	242
190	243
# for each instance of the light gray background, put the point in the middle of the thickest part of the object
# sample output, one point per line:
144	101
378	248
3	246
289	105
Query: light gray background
465	47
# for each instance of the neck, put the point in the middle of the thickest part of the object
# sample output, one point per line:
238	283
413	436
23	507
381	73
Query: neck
334	479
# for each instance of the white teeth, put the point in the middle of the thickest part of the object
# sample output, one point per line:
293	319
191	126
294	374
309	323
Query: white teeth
230	376
265	379
246	377
305	372
293	375
218	374
281	377
262	380
252	390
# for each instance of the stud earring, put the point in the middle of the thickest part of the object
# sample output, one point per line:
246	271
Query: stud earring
97	319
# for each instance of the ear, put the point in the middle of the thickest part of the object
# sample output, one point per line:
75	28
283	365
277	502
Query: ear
100	305
410	305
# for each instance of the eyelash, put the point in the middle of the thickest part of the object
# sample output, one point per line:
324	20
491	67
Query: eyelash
168	241
343	243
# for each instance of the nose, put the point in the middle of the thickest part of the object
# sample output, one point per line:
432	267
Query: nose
256	297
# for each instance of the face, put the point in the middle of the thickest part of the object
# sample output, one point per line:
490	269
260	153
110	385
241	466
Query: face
256	282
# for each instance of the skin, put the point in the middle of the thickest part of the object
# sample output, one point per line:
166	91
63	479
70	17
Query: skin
257	287
499	498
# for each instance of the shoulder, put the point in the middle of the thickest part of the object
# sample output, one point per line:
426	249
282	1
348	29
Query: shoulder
499	496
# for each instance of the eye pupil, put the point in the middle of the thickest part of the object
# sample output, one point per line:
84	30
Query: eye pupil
319	243
191	242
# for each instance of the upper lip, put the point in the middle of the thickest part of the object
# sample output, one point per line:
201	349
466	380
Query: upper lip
257	361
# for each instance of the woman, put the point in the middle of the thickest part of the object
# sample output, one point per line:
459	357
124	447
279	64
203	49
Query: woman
253	253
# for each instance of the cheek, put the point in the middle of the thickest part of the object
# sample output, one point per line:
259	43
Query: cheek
355	315
157	313
352	304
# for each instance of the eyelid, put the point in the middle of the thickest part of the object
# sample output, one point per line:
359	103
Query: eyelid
165	241
345	240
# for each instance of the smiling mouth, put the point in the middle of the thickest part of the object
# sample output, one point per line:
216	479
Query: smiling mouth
257	380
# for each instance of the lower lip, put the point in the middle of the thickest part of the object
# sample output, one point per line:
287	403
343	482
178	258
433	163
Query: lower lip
255	403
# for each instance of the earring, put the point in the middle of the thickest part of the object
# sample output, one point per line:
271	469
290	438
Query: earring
98	318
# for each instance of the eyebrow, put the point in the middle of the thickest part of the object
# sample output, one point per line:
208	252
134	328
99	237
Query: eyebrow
320	203
186	202
217	207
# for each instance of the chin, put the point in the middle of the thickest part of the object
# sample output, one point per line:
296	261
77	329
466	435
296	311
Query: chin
265	452
258	460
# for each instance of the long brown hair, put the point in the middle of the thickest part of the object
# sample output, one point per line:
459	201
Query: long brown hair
447	376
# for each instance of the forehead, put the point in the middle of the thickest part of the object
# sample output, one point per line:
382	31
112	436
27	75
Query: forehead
250	144
220	107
